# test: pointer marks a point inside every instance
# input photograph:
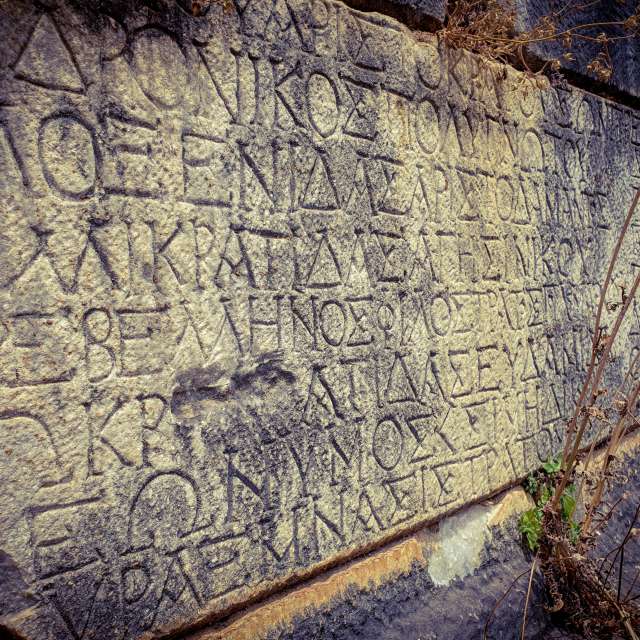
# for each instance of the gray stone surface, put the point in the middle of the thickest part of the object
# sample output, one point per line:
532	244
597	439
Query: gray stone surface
275	285
433	8
418	13
414	608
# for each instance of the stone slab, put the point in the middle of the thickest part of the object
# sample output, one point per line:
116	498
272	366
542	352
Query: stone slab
380	593
276	285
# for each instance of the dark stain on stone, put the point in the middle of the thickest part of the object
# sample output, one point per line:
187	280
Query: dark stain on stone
270	371
198	390
195	389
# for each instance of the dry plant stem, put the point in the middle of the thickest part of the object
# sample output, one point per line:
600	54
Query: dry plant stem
571	5
614	259
624	618
620	566
596	330
589	456
604	360
606	517
498	603
572	580
528	597
489	27
618	433
592	380
618	393
571	31
633	584
629	628
631	371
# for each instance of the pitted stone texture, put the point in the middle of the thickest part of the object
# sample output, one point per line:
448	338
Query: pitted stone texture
624	50
275	284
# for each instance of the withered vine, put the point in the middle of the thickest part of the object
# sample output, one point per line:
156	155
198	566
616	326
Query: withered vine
490	28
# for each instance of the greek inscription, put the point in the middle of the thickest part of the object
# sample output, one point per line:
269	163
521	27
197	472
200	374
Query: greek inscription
276	282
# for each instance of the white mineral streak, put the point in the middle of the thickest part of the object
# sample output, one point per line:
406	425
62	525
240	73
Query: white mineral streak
459	544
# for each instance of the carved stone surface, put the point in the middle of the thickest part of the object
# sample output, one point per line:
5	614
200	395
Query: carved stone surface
275	284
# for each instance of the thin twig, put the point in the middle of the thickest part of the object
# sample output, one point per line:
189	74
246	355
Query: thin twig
618	433
604	360
596	330
498	603
526	601
620	547
633	584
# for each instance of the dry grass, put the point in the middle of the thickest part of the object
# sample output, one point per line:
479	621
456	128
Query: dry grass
488	27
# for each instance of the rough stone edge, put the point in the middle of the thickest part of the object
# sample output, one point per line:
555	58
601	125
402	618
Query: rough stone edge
423	547
208	622
364	574
423	15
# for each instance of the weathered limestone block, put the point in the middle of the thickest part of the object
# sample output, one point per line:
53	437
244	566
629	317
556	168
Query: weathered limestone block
434	582
275	285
